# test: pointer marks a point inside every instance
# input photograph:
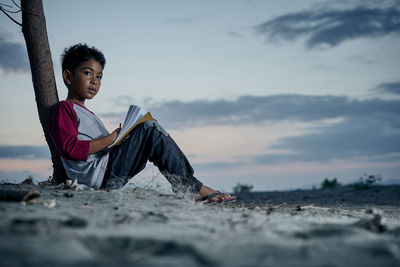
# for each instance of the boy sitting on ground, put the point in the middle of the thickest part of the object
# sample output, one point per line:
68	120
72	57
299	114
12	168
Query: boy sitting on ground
82	140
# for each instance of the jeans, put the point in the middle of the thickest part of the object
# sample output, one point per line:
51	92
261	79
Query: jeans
149	142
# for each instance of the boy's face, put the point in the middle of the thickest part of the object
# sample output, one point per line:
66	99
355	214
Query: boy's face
85	82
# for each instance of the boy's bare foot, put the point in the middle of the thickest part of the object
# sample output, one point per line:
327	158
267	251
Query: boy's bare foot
206	191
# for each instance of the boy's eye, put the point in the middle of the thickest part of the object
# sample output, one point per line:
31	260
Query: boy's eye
99	77
87	73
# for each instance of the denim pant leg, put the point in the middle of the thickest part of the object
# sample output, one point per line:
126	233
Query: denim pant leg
149	141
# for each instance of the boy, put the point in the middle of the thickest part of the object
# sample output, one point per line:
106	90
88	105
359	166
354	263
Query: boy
82	140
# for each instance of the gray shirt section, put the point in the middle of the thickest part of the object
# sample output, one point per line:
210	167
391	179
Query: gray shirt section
89	172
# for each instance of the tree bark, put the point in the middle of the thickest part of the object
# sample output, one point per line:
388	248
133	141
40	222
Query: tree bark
44	84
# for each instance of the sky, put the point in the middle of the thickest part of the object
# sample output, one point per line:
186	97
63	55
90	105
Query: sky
278	94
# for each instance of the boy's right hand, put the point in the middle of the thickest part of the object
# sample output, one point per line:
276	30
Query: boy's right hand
103	142
116	132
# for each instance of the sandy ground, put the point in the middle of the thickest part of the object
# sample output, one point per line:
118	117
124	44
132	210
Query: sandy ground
147	227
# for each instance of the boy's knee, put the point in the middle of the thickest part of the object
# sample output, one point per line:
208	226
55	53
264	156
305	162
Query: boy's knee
153	123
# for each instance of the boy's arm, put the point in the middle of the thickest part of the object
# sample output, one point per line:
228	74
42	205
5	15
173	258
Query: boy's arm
100	143
64	132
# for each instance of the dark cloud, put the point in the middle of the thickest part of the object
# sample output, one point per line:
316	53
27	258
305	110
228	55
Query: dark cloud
366	128
13	56
372	138
392	88
332	27
263	109
24	152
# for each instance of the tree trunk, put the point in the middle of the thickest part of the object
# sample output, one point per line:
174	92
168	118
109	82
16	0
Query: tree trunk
44	84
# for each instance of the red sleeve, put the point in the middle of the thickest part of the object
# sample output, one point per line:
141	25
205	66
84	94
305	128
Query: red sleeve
64	132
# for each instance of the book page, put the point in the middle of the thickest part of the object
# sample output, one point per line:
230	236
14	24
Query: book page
134	116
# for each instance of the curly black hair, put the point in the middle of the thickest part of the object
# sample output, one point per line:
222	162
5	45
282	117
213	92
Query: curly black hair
74	55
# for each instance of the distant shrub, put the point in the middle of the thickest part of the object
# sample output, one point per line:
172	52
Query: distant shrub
240	188
367	181
330	183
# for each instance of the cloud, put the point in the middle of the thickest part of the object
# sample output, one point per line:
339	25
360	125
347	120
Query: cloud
235	34
362	60
374	138
332	27
392	88
24	152
365	129
215	165
264	109
122	100
13	56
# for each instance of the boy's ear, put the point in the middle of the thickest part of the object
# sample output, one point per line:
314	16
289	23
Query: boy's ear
67	76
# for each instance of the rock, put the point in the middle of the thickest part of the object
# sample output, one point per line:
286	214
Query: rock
269	210
28	181
18	195
68	195
375	224
374	211
75	222
50	204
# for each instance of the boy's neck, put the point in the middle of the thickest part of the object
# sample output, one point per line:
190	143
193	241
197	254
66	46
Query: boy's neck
77	101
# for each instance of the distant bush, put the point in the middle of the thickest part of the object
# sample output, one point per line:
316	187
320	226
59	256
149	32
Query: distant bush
240	188
367	181
330	183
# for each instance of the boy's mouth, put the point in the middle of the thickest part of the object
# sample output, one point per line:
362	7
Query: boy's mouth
91	90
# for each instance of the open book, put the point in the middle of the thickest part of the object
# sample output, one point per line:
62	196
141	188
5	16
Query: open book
135	116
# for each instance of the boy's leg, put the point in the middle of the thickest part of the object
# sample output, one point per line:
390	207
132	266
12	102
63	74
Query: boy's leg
149	141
